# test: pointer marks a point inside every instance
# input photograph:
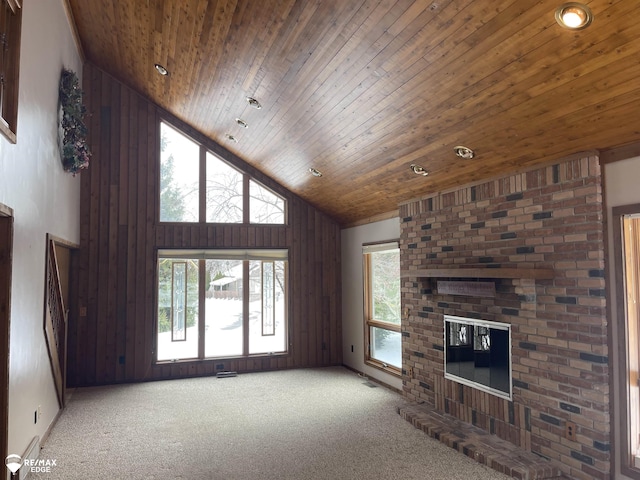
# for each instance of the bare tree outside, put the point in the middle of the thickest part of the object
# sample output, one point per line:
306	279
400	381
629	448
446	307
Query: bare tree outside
224	192
264	205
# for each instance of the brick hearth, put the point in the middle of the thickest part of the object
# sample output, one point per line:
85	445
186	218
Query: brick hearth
478	444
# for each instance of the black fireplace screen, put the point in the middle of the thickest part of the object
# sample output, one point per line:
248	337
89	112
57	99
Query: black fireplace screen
478	353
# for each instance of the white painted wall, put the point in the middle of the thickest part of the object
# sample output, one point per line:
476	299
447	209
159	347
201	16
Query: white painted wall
352	294
621	188
44	200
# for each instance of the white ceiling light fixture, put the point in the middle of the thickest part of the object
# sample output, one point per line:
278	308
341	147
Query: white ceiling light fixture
315	172
464	152
242	123
574	16
419	170
231	138
254	103
161	70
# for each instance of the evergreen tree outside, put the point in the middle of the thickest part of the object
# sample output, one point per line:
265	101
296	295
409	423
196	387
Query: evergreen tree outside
385	343
179	176
171	204
386	286
172	207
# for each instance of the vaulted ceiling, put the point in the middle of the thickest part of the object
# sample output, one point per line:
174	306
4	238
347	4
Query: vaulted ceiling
362	89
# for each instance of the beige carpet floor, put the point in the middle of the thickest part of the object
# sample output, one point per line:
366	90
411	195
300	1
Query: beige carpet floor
325	423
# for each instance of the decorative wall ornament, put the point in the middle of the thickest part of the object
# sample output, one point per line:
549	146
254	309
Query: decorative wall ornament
74	151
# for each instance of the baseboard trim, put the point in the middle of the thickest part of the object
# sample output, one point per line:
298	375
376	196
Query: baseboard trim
31	454
372	379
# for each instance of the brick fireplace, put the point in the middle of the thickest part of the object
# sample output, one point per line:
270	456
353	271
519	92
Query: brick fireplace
539	237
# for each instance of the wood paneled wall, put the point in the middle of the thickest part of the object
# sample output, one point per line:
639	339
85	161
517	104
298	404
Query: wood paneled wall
112	325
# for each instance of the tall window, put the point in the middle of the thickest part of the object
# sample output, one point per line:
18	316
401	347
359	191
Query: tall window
179	176
383	340
626	220
10	26
221	303
224	195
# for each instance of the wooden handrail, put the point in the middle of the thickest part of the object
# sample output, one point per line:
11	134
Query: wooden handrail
56	323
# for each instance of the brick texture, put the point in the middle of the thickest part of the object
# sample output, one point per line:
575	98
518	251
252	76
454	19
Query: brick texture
550	218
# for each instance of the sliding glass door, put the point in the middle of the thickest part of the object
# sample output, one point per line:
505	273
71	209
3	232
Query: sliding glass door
221	303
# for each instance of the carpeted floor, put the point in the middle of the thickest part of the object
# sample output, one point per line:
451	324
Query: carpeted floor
298	424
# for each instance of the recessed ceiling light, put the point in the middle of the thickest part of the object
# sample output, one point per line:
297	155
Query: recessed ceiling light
315	172
161	70
242	123
254	103
232	138
463	152
418	170
574	16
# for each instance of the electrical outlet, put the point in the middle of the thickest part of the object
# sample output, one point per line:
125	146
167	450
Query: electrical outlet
570	431
410	372
37	414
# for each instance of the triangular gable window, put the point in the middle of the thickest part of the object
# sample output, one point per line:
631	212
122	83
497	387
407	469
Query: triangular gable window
225	195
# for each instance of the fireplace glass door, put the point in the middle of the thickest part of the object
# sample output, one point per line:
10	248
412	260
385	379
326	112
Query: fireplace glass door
478	353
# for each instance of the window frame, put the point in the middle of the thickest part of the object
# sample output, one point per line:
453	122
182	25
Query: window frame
263	186
173	301
628	360
369	321
11	17
268	255
204	153
272	298
196	161
203	186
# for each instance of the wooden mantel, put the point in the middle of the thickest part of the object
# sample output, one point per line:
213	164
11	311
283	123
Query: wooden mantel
524	273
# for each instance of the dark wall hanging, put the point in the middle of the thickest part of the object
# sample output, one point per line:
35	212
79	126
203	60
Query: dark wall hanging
74	150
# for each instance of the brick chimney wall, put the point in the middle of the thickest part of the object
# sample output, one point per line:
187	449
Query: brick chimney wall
550	218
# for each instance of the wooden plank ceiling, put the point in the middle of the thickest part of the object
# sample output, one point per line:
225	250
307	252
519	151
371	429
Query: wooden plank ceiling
361	89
